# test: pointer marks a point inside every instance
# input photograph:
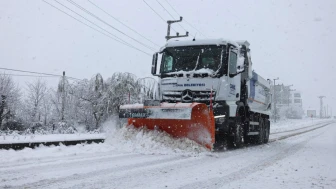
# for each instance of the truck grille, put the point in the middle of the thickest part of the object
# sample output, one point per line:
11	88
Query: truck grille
188	96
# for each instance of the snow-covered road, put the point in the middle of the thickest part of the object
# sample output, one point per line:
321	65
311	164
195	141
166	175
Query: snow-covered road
303	156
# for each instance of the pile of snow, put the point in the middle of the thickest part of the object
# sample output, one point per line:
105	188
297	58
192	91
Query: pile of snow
144	141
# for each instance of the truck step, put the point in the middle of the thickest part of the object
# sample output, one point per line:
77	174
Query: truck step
254	123
253	133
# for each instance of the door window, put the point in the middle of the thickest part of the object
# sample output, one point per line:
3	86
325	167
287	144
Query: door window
232	62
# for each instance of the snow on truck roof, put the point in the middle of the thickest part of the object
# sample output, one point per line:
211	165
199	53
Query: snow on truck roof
177	43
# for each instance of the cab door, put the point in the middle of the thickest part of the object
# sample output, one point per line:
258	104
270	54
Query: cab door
234	78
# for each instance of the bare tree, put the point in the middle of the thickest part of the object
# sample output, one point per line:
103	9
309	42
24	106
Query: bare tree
46	106
36	92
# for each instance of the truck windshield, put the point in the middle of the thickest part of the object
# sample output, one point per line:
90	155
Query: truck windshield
201	58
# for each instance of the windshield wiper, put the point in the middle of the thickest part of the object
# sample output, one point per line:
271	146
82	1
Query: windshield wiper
195	75
163	75
200	75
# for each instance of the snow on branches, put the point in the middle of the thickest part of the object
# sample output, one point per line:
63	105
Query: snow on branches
73	103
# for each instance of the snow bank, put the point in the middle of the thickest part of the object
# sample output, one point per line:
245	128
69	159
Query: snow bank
53	152
13	139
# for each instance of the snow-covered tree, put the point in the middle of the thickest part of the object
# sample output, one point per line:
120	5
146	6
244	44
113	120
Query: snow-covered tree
91	102
10	98
36	93
87	102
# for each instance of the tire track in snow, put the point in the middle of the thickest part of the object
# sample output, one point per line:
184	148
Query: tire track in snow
49	159
123	173
31	173
287	131
45	183
152	171
115	180
220	181
66	161
298	133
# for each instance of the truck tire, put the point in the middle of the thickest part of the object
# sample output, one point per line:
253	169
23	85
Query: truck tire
238	133
249	139
260	137
267	131
220	142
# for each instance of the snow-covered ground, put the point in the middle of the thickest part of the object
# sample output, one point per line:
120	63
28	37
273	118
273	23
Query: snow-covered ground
291	124
132	158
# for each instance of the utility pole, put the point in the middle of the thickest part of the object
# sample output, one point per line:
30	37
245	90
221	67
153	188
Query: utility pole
274	99
321	105
289	92
169	22
63	96
2	108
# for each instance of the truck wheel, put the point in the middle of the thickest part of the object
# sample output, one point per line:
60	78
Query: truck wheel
238	135
248	140
220	142
267	131
260	137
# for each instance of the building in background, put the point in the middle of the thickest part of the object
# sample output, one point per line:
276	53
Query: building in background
295	110
311	113
288	102
296	98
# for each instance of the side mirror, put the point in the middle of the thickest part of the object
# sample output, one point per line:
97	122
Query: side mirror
154	64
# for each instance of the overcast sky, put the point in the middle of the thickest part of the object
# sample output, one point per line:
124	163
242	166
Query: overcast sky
292	40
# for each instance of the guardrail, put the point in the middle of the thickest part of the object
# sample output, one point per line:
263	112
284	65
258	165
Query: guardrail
20	146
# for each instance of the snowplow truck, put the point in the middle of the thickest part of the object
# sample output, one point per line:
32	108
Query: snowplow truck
207	92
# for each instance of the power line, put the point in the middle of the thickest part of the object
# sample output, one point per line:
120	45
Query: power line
170	14
78	20
195	28
165	9
172	7
157	13
154	11
93	15
184	19
48	74
123	23
118	39
29	75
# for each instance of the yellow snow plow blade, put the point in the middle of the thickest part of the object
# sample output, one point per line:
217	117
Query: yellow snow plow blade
191	120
